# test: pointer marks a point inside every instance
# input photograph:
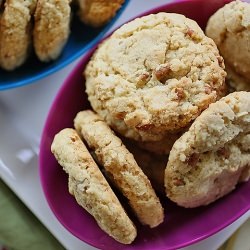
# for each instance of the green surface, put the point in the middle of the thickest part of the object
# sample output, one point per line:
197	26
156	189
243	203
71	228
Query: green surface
19	228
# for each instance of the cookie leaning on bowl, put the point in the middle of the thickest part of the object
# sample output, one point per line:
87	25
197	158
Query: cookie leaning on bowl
16	32
52	28
90	188
121	165
213	155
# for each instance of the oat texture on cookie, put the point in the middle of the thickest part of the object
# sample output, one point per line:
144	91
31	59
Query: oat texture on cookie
154	75
229	27
209	160
52	28
96	13
90	188
121	167
16	32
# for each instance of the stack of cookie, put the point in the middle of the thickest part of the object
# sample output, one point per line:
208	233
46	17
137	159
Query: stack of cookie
159	83
44	24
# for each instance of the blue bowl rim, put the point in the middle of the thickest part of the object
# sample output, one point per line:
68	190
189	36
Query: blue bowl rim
39	76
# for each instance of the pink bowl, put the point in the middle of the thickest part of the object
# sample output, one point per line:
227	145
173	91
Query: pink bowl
181	227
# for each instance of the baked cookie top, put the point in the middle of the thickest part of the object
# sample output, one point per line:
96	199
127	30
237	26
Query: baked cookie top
15	29
98	12
121	167
52	28
155	74
229	27
213	155
90	188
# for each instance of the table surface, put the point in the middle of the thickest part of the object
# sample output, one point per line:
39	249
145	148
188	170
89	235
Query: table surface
22	115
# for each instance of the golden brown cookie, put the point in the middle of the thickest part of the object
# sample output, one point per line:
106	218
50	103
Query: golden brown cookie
16	32
213	155
121	165
98	12
89	187
52	28
229	27
146	89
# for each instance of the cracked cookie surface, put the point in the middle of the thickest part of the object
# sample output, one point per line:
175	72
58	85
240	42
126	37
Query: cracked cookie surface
229	27
90	188
15	28
213	155
154	75
121	166
52	28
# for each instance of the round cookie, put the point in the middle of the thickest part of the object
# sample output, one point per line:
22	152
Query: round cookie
213	155
89	187
16	33
154	75
229	27
96	13
121	166
52	28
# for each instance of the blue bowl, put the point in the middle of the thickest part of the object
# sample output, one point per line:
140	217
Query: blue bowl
81	39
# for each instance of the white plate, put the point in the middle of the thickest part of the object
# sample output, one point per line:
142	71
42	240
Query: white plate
22	115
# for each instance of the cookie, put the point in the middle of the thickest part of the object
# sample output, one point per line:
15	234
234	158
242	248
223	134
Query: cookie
89	187
16	30
96	13
52	28
213	155
229	27
153	165
146	89
236	81
121	165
